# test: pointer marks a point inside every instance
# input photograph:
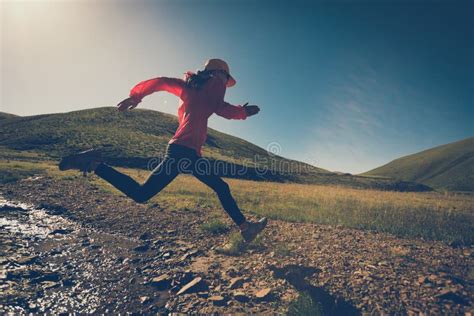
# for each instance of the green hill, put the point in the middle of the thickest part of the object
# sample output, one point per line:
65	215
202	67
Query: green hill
4	115
448	167
133	138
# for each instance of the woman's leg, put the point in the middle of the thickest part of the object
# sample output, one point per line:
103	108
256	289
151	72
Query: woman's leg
159	178
223	192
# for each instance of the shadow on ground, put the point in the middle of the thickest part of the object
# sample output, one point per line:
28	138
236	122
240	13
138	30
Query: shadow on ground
296	275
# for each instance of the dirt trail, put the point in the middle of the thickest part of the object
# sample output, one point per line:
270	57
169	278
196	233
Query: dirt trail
76	248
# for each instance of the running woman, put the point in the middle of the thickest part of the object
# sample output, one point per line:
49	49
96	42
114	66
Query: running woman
201	95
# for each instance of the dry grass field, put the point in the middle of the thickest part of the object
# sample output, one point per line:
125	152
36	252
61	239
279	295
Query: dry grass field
444	216
431	215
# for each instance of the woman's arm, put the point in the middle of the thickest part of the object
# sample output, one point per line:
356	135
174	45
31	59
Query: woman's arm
229	111
146	87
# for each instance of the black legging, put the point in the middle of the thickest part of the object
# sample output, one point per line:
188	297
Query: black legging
178	159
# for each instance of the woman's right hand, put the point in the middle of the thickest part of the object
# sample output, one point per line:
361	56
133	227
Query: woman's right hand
251	109
127	104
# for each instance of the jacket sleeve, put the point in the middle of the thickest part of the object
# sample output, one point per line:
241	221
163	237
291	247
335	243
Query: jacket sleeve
224	109
146	87
229	111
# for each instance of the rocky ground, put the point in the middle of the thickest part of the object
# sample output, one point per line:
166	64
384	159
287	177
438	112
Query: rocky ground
74	247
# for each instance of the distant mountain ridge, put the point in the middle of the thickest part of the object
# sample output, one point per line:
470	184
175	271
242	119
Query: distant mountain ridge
132	138
448	167
4	115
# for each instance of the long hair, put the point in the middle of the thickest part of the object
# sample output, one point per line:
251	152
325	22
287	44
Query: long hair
197	80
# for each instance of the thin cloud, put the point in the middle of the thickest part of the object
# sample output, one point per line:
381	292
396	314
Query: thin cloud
352	124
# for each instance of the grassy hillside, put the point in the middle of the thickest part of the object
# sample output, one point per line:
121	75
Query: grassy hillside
4	115
449	167
131	139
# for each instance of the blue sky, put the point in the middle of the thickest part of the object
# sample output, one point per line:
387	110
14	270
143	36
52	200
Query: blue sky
343	85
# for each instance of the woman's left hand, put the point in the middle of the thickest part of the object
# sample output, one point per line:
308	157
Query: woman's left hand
251	109
127	104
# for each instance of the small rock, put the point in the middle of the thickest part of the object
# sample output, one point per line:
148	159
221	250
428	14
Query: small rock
193	286
135	260
235	283
240	296
67	282
32	306
145	236
162	281
46	277
61	232
263	294
214	266
433	278
26	260
144	299
217	300
49	284
449	295
422	280
232	272
142	248
188	255
53	209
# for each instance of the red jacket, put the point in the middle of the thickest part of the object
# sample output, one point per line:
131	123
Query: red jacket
195	107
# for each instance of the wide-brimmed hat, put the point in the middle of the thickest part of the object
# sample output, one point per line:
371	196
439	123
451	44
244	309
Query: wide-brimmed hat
219	64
